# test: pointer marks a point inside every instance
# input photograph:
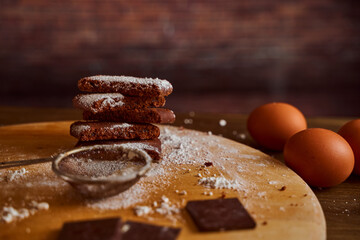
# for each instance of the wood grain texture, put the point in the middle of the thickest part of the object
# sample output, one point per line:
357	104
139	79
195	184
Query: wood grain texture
294	213
340	204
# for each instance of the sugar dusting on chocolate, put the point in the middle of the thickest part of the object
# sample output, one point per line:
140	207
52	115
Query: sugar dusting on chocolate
108	100
80	128
163	85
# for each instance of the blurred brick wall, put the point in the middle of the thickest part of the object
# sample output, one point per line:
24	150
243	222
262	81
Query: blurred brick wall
248	45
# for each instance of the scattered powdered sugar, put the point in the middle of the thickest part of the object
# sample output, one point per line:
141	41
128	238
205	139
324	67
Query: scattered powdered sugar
139	145
13	175
164	207
260	164
158	176
248	156
39	175
261	194
41	205
218	183
157	169
183	149
142	210
136	194
178	149
240	169
10	214
274	182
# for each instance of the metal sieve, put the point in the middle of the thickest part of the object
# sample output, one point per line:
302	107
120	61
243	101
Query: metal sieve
101	171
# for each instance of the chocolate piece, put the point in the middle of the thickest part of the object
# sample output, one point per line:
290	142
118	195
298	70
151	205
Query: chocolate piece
131	86
91	131
99	229
146	115
104	102
151	146
139	231
219	214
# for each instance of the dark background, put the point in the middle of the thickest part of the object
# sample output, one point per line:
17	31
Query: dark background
220	56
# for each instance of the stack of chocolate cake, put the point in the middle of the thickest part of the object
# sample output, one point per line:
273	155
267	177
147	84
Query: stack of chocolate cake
122	110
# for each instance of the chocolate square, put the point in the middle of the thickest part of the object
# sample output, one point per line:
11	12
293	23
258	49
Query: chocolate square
99	229
219	214
139	231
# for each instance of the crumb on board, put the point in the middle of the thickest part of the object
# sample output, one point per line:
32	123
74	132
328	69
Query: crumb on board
208	164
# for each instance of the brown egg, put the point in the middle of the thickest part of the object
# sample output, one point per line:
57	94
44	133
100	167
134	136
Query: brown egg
351	132
272	124
321	157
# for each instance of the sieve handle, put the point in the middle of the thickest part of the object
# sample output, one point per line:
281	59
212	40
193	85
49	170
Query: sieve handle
24	162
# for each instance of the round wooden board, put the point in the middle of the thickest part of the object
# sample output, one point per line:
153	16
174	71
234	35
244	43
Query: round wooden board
293	213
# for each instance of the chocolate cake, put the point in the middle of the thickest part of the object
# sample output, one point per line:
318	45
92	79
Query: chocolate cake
145	115
121	110
92	131
105	102
131	86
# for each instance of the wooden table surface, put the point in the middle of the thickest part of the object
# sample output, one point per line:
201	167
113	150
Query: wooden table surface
341	204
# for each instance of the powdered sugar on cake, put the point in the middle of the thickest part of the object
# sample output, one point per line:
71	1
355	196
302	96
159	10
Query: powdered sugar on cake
106	100
162	85
119	126
80	128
